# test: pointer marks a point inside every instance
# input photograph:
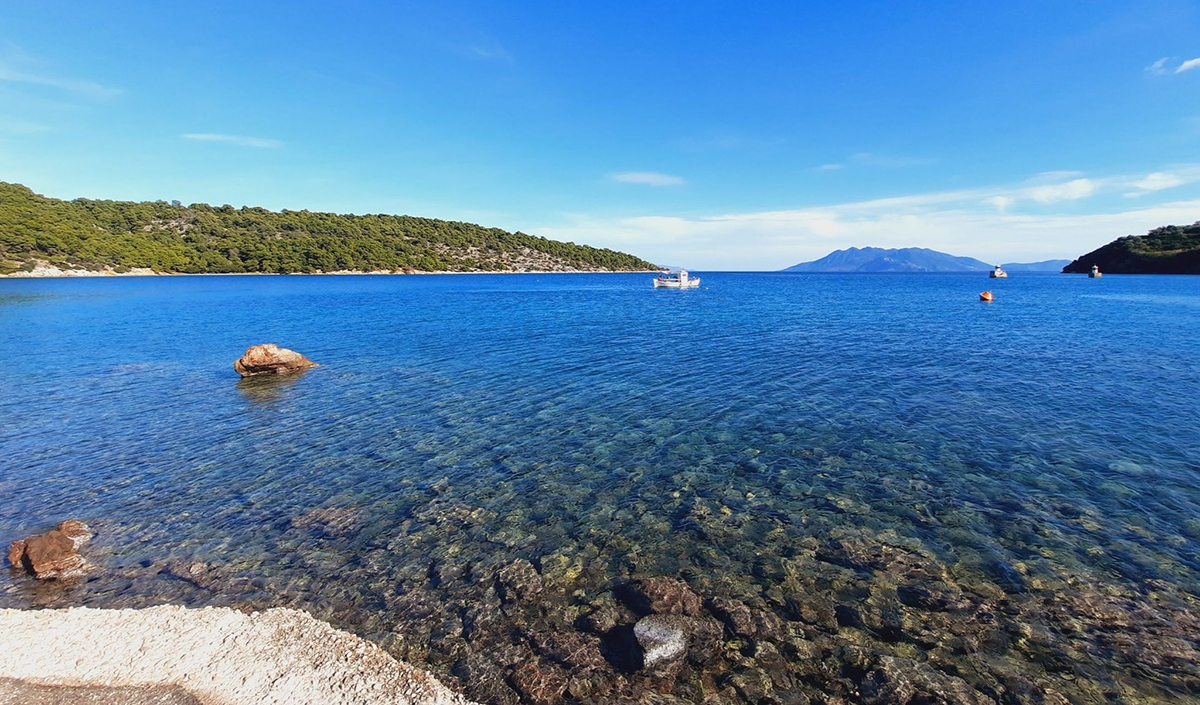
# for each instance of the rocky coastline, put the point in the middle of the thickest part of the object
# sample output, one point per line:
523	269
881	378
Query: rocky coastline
48	271
852	616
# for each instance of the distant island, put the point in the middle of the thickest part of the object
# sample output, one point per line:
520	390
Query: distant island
1171	249
910	259
48	234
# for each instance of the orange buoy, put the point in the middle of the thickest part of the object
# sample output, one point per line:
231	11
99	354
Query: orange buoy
985	296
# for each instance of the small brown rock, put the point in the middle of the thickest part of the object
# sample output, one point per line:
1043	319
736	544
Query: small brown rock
270	359
16	549
663	596
77	531
54	554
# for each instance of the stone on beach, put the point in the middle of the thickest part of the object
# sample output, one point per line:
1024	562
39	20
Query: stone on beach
54	554
270	359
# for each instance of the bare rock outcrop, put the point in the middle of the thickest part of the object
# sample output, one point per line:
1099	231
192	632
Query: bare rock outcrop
270	359
54	554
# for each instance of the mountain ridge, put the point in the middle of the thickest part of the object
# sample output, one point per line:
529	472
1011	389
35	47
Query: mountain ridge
908	259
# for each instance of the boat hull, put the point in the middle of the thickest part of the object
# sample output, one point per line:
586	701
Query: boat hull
675	284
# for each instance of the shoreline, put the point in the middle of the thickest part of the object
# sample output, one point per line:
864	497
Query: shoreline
216	655
55	273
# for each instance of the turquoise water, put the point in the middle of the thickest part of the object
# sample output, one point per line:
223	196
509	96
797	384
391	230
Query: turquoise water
605	431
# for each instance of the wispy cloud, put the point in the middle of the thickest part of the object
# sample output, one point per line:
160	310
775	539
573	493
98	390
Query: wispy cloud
1047	177
1018	222
493	52
1067	191
1160	68
647	178
88	89
1162	180
879	161
484	48
890	161
239	140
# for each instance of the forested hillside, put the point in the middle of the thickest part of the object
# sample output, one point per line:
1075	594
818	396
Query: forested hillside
1171	249
170	237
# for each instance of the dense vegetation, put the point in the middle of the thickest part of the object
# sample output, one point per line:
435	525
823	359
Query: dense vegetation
1171	249
170	237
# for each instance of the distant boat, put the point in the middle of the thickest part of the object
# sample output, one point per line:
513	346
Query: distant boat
985	296
676	280
1095	273
998	273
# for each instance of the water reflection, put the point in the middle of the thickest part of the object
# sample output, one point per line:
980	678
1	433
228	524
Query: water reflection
268	389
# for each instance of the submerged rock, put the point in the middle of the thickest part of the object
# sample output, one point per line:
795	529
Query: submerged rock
663	639
270	359
54	554
519	581
574	650
539	684
663	596
605	617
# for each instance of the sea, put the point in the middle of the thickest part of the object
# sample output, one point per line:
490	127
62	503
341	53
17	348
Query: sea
821	448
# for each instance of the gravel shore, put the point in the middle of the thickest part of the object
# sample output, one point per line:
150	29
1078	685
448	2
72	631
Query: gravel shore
213	656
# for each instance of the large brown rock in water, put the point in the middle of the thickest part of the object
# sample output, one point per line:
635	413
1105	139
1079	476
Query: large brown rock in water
54	554
270	359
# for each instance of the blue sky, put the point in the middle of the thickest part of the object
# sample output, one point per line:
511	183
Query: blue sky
707	134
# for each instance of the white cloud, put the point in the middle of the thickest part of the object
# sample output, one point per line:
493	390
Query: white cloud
89	89
830	167
240	140
1188	65
1067	191
1162	180
1001	203
1159	68
1158	181
992	224
647	178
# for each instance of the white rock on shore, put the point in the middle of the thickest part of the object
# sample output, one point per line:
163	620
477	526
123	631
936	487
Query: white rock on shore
219	655
45	269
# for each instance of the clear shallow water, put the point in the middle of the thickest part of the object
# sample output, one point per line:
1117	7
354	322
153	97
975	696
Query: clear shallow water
601	430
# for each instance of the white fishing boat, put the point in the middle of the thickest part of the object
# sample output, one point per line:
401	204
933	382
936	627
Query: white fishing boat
998	273
1095	273
676	279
